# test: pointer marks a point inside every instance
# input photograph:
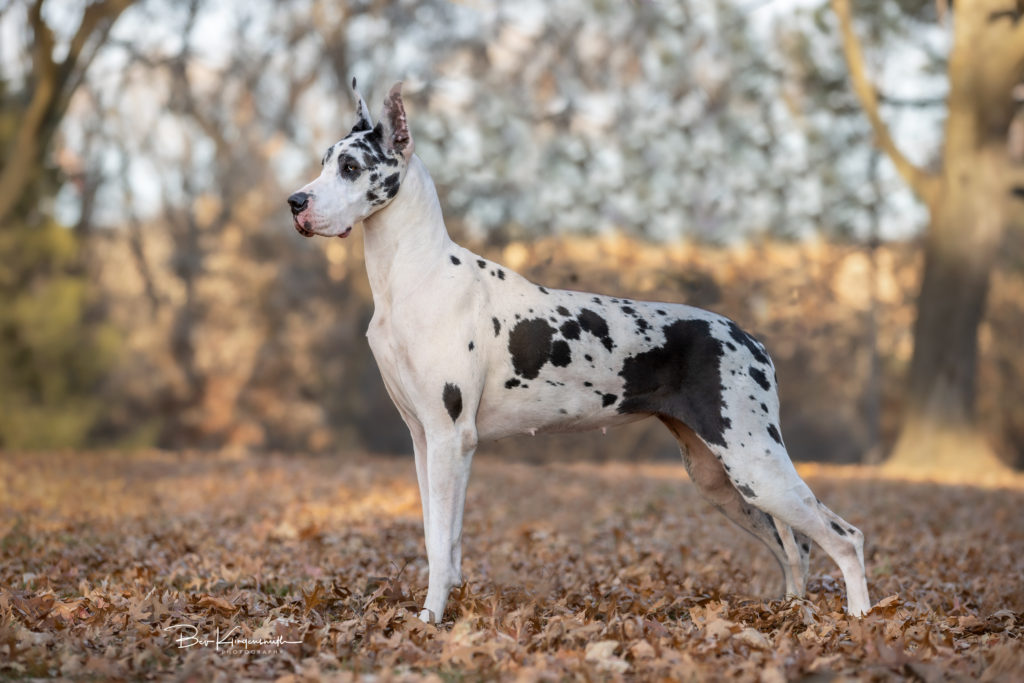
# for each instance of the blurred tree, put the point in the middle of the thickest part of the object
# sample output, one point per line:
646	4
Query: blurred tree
54	346
972	199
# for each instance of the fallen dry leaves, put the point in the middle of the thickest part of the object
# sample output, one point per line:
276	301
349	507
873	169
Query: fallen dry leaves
137	565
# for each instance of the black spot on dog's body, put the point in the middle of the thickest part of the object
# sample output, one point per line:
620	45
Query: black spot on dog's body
660	312
680	379
452	397
455	260
774	433
497	326
608	399
471	346
588	384
501	274
529	343
588	356
596	325
560	355
759	377
480	262
563	311
542	290
838	529
730	346
570	329
596	300
764	408
628	310
512	383
755	347
746	490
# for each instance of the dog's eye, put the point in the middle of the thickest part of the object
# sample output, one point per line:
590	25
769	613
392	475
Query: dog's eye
348	167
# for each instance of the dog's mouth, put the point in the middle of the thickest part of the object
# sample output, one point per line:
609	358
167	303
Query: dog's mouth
306	230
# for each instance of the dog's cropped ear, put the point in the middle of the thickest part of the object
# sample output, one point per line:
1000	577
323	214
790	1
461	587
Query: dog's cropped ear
364	122
394	127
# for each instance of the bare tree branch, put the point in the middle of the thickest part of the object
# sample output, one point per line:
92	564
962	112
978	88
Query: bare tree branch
52	85
924	185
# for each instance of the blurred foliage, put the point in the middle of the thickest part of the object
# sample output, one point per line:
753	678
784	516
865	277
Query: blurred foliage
54	353
700	121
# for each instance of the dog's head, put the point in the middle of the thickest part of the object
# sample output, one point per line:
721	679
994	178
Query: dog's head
361	172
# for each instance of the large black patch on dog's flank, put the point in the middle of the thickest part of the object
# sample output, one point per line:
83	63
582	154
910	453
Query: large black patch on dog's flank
529	343
679	379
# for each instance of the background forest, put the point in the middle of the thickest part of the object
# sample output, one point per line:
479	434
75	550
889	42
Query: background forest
716	152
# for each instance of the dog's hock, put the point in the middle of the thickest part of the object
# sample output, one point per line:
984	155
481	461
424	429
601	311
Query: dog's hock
396	128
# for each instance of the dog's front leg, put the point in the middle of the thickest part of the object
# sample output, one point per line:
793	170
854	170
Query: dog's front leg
449	457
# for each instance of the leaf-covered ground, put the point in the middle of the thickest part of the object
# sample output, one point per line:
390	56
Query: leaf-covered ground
123	566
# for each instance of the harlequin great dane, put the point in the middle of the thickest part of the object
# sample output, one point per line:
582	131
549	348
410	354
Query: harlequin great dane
470	351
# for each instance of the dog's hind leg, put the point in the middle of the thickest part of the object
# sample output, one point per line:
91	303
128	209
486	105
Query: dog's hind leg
765	477
712	480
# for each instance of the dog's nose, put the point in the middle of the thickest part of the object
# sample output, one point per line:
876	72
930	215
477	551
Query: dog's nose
298	202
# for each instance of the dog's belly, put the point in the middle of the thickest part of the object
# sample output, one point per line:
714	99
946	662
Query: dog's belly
546	409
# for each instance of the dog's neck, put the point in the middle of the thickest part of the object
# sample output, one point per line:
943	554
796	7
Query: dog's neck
406	239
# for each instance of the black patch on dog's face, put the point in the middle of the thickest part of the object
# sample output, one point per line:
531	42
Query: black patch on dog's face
348	167
680	379
529	343
390	185
759	377
452	397
596	325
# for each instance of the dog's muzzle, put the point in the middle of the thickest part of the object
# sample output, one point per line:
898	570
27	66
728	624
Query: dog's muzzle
298	203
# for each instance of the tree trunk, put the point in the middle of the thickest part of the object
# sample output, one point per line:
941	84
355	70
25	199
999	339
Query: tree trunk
970	203
968	220
939	427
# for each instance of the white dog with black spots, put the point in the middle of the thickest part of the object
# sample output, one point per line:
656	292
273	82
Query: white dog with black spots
470	351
